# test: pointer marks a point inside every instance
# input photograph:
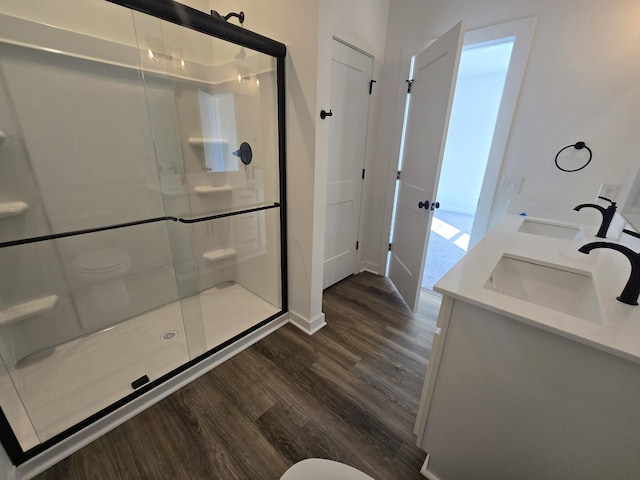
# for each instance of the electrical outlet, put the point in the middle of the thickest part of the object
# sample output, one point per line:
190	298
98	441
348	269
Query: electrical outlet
609	190
511	185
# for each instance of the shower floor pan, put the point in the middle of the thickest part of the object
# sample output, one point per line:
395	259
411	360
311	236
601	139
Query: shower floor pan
88	374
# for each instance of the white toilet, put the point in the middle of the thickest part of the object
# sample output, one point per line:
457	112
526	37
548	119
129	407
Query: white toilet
321	469
103	270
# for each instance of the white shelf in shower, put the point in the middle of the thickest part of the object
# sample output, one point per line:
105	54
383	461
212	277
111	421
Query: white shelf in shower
198	142
211	190
219	254
28	309
9	209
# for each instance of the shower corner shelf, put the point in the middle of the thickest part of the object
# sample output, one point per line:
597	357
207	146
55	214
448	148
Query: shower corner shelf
198	142
211	190
28	309
9	209
219	254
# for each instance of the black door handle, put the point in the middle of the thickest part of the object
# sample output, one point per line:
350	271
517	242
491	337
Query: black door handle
435	205
424	204
324	114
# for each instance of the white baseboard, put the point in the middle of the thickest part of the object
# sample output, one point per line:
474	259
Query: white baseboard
424	470
374	272
307	326
371	268
60	451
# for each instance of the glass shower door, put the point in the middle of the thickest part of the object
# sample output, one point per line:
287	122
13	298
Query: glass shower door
88	304
213	112
140	209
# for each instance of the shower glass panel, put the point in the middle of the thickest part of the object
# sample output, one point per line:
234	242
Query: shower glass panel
140	209
219	108
212	109
73	348
81	316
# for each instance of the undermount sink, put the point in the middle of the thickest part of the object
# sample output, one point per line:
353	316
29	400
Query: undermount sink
550	229
553	287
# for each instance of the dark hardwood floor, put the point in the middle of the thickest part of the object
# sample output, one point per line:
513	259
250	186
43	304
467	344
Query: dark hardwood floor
348	393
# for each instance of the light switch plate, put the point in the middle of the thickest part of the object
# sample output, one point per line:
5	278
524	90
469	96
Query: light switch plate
511	185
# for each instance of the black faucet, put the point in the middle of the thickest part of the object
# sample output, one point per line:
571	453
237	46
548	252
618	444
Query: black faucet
631	290
607	215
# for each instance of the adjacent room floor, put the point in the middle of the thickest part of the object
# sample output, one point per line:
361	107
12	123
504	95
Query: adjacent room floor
448	242
348	393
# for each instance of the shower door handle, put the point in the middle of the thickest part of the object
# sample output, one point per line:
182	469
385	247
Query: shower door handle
435	205
424	205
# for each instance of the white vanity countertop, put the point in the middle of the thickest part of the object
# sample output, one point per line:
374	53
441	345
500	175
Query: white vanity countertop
620	333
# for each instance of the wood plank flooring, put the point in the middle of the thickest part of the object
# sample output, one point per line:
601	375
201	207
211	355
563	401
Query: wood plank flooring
348	393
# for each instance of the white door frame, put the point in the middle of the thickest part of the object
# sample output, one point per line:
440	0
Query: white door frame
523	31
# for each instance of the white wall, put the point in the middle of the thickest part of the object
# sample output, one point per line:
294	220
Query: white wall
582	83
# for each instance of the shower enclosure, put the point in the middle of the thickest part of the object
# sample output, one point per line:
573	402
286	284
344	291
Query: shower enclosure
141	205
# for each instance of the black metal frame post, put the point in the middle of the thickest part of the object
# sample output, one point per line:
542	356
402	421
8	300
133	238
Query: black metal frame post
282	144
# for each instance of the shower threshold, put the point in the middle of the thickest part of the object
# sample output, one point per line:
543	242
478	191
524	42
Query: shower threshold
85	375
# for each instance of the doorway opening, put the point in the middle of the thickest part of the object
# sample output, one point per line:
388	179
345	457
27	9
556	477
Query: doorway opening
479	87
423	141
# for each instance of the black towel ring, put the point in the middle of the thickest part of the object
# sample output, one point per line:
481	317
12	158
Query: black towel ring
577	146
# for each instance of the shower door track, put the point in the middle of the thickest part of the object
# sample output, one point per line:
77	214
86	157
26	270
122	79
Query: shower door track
73	233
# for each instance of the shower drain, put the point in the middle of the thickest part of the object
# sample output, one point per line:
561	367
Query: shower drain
170	335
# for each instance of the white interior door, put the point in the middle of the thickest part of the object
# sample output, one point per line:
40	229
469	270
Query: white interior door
435	70
350	75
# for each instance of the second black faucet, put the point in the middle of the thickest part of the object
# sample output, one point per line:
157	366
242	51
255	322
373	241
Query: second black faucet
607	215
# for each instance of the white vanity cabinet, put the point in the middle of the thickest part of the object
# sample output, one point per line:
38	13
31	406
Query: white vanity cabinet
506	400
506	397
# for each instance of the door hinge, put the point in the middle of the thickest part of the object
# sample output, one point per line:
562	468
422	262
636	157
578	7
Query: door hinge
390	246
363	173
371	82
409	83
398	175
357	244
